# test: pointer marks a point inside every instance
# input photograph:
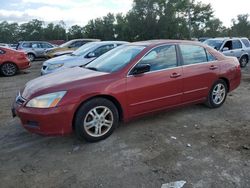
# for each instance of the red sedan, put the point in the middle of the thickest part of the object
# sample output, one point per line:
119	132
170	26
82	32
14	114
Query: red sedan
127	82
11	61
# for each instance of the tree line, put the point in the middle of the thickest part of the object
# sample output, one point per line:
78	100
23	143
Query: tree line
147	19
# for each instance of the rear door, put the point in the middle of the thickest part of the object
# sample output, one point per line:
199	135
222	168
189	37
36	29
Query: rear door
158	89
200	70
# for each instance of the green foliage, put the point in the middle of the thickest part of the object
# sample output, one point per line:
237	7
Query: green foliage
147	19
241	26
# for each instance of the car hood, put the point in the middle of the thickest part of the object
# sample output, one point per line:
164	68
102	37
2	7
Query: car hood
52	82
68	61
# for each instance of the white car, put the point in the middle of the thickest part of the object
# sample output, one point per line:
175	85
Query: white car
80	57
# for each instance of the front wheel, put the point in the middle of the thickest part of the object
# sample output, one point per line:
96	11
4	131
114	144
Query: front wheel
96	120
217	94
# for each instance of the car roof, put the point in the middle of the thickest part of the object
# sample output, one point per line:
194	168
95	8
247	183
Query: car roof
151	43
87	39
32	41
110	42
227	38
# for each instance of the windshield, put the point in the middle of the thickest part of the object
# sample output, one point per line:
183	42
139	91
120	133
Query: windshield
66	44
84	49
115	59
216	44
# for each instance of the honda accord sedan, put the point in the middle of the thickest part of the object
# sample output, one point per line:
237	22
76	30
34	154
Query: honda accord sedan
130	81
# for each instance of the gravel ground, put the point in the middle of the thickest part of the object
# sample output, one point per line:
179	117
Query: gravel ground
204	147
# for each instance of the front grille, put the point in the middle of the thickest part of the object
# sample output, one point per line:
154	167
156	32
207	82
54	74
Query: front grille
19	99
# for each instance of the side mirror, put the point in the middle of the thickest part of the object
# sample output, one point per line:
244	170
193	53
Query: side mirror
225	49
140	69
91	55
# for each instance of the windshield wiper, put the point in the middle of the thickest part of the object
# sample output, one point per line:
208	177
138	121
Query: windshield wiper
92	68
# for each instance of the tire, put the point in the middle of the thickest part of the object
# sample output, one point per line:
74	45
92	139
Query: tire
217	94
8	69
31	57
96	120
243	61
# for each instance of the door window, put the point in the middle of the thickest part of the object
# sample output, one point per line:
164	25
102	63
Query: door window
103	49
27	45
46	45
193	54
229	45
237	44
36	45
161	58
77	44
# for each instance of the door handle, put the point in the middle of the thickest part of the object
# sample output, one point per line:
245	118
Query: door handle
213	67
175	75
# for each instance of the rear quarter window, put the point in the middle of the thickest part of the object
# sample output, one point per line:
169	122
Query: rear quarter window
246	42
210	57
27	45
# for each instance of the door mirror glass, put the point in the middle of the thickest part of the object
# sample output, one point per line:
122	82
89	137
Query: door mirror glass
225	49
140	69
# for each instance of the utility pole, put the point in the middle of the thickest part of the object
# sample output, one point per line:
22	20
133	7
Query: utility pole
189	19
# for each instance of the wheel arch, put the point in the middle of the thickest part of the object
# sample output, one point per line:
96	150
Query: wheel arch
243	55
11	63
226	81
105	96
31	53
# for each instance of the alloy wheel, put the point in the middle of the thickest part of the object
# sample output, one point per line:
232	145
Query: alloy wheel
219	94
98	121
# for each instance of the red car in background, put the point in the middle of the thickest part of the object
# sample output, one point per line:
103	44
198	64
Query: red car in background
130	81
11	61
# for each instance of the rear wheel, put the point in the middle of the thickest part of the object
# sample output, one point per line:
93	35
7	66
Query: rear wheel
217	94
243	61
31	57
9	69
96	120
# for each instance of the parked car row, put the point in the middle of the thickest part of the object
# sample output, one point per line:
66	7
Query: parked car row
129	81
80	57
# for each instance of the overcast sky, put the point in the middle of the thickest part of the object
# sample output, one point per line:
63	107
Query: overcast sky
81	11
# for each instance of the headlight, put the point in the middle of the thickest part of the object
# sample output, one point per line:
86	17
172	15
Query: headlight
55	66
46	101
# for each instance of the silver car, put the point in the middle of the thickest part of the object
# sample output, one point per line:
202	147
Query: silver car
237	47
34	49
80	57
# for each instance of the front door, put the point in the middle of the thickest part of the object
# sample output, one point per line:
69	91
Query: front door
235	48
158	89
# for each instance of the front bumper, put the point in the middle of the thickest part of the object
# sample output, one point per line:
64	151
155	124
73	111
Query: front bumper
50	122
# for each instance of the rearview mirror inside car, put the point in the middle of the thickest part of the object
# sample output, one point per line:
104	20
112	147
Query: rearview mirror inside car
140	69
